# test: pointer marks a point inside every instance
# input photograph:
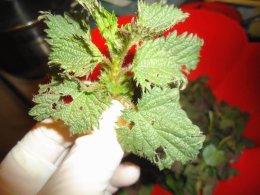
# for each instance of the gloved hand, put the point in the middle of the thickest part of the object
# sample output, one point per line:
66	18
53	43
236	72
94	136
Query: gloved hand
44	162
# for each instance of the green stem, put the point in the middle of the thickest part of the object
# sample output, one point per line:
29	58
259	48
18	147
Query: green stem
211	121
223	141
117	70
107	62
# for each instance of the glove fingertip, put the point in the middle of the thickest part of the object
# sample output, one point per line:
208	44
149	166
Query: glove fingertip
125	175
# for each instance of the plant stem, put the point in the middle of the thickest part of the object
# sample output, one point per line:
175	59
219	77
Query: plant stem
223	141
117	71
211	121
107	62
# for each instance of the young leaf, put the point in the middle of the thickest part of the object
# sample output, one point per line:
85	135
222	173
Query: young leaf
213	156
160	130
72	48
157	18
160	61
106	23
74	56
59	26
81	112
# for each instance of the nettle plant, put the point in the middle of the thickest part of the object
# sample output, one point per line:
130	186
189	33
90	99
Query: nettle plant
154	127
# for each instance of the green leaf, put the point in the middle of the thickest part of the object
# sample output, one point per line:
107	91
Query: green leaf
160	130
59	26
152	66
74	56
71	44
160	62
81	114
184	49
106	23
153	19
212	156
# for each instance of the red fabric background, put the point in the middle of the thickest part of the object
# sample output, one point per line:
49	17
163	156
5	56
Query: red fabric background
233	66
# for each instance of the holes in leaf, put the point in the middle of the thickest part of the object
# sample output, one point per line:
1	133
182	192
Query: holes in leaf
67	99
156	158
53	106
131	125
82	78
124	123
47	79
71	73
160	153
180	84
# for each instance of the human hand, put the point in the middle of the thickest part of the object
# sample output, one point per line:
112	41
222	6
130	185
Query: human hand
44	162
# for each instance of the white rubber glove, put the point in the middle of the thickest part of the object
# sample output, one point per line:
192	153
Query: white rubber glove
92	166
